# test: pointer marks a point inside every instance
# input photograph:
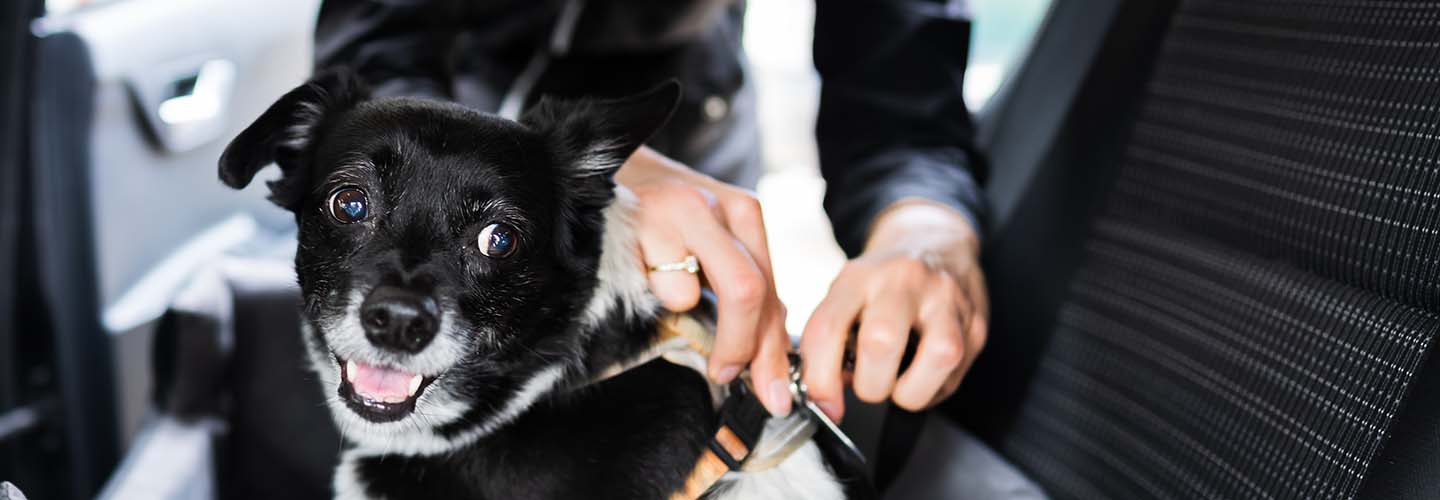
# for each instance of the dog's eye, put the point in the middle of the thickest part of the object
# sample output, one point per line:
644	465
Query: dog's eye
497	241
349	205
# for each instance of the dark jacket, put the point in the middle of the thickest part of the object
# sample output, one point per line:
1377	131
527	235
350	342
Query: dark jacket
891	123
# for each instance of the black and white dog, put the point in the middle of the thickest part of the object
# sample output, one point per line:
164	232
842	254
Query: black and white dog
465	277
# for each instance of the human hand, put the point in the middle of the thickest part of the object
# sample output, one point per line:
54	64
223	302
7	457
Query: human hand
920	269
683	212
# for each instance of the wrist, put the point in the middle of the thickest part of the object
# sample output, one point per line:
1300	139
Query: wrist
925	228
647	165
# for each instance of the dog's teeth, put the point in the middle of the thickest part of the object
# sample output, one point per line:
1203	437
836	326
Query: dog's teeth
415	383
350	371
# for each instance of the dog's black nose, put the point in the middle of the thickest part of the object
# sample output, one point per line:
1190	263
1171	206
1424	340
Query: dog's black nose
399	319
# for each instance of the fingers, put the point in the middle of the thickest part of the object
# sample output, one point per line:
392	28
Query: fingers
689	213
976	332
884	332
822	346
974	343
973	348
743	217
727	236
975	337
891	298
979	298
740	286
941	353
919	269
951	384
770	369
677	291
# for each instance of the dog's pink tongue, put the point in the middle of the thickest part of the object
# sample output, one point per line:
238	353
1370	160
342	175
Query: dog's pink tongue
378	383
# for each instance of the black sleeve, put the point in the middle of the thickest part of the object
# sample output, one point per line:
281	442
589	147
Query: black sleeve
892	122
398	47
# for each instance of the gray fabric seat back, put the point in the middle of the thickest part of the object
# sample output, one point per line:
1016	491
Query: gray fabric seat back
1253	300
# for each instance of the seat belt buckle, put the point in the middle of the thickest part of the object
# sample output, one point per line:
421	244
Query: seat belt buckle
819	420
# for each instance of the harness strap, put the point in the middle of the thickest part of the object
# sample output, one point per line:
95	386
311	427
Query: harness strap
685	340
738	427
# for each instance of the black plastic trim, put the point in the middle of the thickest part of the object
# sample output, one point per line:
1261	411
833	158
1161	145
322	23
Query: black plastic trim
61	114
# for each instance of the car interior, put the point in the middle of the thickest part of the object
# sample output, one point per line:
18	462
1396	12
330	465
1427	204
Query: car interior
1211	253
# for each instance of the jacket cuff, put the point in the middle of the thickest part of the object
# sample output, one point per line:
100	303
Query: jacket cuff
853	213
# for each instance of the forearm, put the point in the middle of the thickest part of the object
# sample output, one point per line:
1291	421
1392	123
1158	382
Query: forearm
893	124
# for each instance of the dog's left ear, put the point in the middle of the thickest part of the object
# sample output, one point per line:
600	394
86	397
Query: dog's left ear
285	134
596	136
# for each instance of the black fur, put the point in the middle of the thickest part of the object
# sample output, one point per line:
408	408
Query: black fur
436	174
629	437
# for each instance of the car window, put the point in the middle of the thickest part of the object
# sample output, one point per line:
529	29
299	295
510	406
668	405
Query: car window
1003	30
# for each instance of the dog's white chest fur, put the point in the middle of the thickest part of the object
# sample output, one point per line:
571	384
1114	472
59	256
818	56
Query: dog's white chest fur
803	475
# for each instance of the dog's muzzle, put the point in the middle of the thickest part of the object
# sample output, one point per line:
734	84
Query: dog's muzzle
380	393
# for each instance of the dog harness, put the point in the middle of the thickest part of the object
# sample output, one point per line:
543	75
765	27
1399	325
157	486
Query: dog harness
684	340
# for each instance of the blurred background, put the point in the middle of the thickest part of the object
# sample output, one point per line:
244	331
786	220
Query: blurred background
123	111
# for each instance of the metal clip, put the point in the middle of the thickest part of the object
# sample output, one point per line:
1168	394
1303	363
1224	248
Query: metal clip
797	384
819	421
784	435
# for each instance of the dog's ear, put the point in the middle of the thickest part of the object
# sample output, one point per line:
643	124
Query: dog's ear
284	134
596	136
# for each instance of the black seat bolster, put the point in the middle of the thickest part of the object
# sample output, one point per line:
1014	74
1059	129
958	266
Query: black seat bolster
229	350
193	344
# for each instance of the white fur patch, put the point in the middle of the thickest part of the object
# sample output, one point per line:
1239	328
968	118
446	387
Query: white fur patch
803	475
307	116
537	386
346	482
623	281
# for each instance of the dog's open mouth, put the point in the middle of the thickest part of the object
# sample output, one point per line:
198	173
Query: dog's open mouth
380	393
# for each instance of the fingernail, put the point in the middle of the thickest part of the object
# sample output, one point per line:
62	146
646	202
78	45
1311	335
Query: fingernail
726	373
779	398
829	408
